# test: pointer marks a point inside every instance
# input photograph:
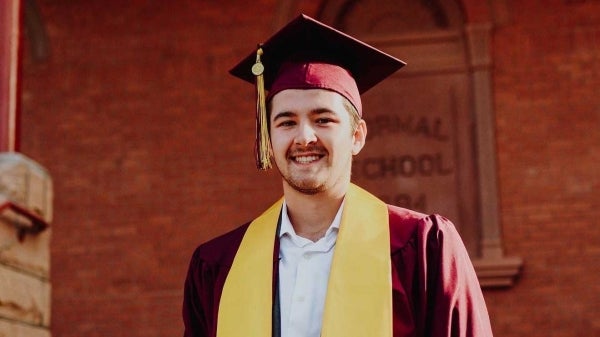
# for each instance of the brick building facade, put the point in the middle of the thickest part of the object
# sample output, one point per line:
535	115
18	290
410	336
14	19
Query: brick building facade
149	143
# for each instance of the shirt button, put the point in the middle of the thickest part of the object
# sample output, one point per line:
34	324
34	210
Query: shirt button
300	299
306	256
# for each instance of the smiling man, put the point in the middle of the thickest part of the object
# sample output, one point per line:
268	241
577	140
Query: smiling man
313	140
329	259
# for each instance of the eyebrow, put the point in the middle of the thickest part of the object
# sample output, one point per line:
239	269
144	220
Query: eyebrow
318	111
322	111
283	114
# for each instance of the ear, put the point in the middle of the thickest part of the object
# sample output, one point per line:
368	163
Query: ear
359	137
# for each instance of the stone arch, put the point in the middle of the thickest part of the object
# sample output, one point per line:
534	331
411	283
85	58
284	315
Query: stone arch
424	15
445	92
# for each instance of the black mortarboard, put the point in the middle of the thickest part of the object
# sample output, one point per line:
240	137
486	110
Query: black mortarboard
309	54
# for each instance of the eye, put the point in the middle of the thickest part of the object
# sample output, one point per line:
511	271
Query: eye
286	123
324	120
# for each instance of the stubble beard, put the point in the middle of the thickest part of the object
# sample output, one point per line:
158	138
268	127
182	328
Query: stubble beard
310	190
307	182
312	184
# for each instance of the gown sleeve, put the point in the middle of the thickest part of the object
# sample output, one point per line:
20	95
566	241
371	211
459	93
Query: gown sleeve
195	300
204	283
451	295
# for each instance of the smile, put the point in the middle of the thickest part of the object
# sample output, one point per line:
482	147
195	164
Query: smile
306	159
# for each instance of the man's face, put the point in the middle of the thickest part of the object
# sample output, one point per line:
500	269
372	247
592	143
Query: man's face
312	139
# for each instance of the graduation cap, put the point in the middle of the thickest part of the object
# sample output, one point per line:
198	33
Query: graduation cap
307	54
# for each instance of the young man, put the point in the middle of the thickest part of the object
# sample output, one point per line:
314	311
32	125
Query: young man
329	259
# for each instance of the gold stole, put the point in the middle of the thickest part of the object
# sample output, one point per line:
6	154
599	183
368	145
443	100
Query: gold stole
359	294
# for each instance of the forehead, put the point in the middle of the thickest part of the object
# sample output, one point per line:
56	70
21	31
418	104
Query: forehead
298	100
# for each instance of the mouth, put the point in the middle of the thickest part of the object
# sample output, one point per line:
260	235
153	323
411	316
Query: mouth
306	159
306	156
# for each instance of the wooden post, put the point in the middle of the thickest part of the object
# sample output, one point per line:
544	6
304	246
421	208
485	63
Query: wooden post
10	34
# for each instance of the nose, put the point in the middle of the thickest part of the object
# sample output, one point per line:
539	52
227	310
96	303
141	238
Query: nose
306	134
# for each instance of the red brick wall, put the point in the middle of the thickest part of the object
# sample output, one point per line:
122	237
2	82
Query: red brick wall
149	142
150	145
547	79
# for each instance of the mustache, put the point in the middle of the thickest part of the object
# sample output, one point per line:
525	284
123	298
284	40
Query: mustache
312	149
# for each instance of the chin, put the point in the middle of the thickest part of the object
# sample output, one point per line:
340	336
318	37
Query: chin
305	187
307	190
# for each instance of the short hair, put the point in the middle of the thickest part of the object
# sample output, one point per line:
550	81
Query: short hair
353	112
355	117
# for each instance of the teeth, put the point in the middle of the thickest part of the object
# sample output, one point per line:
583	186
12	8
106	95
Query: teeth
306	159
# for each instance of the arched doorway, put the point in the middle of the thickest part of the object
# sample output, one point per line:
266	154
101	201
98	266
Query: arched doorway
431	142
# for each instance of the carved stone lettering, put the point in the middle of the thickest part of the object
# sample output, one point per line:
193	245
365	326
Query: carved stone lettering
414	152
411	125
414	202
424	165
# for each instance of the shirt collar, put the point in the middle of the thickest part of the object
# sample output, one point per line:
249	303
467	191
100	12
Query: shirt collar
287	228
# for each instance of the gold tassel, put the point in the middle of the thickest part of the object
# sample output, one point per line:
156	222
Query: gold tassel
263	142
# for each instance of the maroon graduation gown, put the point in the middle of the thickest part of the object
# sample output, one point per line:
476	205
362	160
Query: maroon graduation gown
435	289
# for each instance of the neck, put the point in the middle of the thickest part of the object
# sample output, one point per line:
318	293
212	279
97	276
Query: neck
312	214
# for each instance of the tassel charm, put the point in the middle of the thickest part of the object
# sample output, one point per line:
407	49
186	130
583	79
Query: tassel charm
263	142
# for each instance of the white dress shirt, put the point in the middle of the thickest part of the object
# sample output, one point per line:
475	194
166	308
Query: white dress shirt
303	274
